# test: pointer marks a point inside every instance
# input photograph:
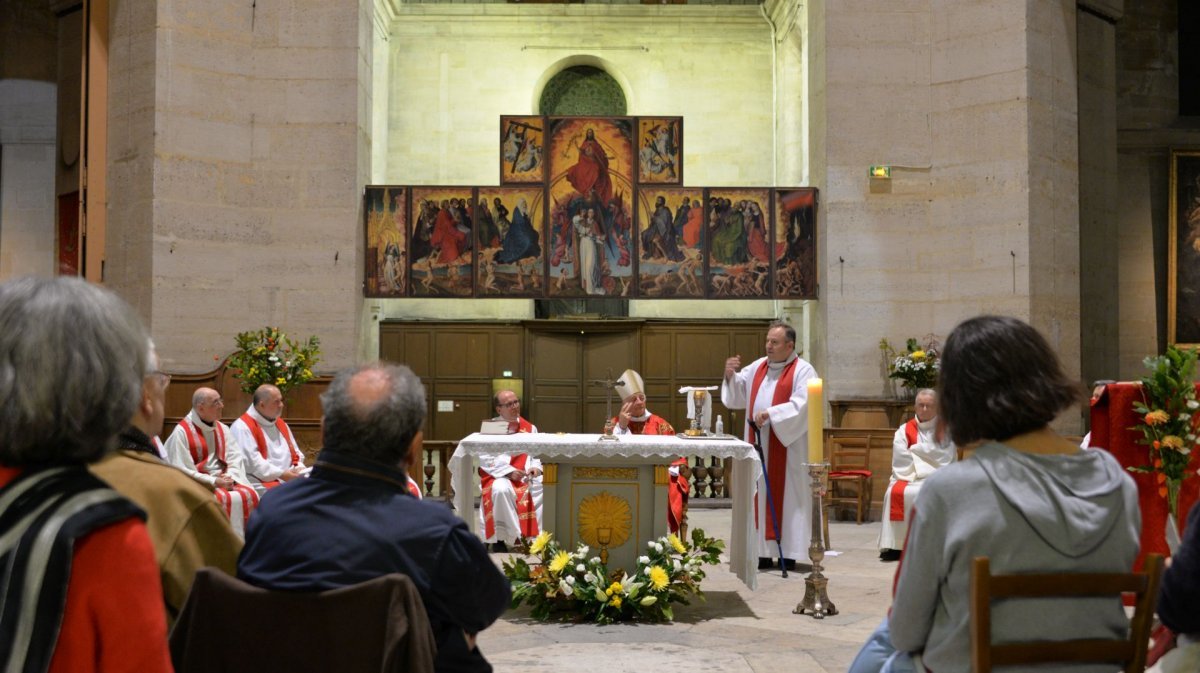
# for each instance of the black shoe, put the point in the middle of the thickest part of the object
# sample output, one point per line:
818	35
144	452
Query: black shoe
889	555
499	548
789	564
765	563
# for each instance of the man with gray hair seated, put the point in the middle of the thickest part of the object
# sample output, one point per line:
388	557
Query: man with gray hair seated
203	447
354	520
919	449
82	588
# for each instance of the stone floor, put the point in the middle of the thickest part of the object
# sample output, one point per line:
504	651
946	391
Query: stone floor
736	630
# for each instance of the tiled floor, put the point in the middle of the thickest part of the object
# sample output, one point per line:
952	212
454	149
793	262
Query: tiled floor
735	630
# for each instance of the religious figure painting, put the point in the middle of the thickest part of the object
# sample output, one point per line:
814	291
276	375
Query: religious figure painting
441	244
522	150
740	243
386	213
509	247
795	251
591	242
660	150
1183	287
671	237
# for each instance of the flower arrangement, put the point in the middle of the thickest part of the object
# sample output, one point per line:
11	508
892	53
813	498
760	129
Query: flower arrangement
1169	420
269	356
916	367
573	585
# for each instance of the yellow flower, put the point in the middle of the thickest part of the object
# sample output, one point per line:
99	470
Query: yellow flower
676	543
539	542
280	381
1172	442
918	355
615	602
615	588
560	561
659	578
1156	417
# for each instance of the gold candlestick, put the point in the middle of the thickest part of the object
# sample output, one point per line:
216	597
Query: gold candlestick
816	602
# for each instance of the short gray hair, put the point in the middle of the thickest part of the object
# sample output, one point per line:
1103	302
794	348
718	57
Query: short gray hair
380	430
72	360
926	391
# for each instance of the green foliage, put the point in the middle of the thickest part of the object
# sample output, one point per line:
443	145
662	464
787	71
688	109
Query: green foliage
570	585
917	366
270	356
1168	424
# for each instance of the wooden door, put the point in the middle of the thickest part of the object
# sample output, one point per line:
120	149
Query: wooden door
562	365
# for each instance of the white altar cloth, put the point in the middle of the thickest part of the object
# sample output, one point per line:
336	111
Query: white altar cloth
743	560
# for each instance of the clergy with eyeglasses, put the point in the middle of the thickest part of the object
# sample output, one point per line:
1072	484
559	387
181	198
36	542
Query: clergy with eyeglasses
510	507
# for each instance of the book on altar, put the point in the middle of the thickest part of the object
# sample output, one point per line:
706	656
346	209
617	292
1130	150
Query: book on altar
494	428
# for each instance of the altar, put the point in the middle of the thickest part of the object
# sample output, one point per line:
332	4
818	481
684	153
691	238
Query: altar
586	479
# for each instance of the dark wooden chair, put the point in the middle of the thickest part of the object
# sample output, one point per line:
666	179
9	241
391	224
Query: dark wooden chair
1129	652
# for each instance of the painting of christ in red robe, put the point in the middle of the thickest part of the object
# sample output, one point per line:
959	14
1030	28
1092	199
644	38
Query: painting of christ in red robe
591	242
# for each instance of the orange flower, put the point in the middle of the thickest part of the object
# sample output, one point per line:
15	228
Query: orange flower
1158	463
1173	442
1160	477
1156	417
1162	490
1157	444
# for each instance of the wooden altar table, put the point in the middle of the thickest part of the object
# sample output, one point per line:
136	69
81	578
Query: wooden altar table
575	451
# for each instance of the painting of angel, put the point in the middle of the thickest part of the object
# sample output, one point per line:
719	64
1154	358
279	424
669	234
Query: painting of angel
796	243
522	150
441	244
591	207
660	150
740	245
509	259
671	251
386	213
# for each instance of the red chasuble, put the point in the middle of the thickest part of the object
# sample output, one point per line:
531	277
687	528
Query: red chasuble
526	511
776	452
677	495
261	440
198	447
1114	425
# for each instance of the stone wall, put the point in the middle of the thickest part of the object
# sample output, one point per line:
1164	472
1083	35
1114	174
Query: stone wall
239	141
973	105
27	151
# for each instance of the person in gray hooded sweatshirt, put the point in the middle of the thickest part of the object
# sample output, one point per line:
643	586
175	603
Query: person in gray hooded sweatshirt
1028	499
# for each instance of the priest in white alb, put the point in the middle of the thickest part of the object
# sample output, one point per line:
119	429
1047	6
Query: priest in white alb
775	392
919	449
510	503
202	446
271	455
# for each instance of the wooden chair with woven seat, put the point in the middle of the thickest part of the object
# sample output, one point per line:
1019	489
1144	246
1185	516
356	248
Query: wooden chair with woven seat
1129	652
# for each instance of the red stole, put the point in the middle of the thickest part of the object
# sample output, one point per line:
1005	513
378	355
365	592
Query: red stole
198	446
777	452
526	511
896	501
413	489
260	438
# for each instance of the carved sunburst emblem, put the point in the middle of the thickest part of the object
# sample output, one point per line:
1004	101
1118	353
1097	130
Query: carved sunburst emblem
604	520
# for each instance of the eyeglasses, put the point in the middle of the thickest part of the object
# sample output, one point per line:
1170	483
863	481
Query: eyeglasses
508	405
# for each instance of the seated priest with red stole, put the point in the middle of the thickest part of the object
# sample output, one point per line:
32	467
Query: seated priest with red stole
510	507
202	446
635	419
919	449
271	455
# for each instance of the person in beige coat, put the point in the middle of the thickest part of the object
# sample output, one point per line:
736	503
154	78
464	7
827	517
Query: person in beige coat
186	525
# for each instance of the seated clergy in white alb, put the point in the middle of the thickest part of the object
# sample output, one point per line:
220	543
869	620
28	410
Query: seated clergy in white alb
203	446
919	449
271	454
510	506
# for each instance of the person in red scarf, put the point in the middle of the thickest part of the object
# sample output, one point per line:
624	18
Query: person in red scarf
635	419
270	451
773	390
510	506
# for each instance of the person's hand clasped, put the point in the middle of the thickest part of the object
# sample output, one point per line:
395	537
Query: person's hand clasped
224	482
762	418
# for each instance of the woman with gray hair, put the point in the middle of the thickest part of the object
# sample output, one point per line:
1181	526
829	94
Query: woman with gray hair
72	359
